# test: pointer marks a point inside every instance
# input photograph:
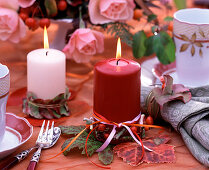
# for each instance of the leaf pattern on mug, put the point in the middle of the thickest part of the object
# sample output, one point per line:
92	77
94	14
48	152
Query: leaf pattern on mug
200	52
184	47
194	36
184	37
192	42
201	33
192	50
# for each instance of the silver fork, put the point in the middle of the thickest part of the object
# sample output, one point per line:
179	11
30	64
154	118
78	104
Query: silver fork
44	140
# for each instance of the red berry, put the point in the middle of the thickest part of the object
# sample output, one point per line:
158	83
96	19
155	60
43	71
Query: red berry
106	135
23	16
36	25
149	120
101	127
44	22
30	22
62	5
134	129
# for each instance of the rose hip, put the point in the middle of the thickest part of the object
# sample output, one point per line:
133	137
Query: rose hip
44	22
101	127
62	5
149	120
30	22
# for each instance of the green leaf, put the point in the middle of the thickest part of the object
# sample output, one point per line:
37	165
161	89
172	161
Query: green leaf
92	144
55	114
180	4
164	47
58	98
71	130
168	18
151	17
51	7
139	48
106	156
63	111
34	111
149	46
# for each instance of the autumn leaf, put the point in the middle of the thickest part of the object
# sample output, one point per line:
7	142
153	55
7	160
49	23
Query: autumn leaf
200	52
193	37
171	92
106	156
131	152
192	50
184	47
184	37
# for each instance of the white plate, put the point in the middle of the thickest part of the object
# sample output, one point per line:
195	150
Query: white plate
18	131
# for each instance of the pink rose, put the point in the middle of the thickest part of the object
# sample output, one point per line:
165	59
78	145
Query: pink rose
83	44
12	27
11	4
26	3
104	11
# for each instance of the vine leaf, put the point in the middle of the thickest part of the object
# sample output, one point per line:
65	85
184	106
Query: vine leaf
198	44
131	152
194	36
200	52
184	37
202	33
192	50
92	144
184	47
106	156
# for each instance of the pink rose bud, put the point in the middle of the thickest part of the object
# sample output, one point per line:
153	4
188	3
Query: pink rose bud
83	44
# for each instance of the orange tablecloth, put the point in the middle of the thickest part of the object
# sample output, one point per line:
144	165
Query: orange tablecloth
12	54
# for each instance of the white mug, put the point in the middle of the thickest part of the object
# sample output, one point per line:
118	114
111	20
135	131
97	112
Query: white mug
4	91
191	36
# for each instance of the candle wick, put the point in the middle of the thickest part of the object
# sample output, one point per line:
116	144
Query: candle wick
117	62
47	53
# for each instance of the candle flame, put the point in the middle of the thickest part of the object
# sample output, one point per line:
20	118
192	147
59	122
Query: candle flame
46	42
118	53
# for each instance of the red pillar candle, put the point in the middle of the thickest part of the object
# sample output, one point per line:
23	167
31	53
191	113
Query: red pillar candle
117	85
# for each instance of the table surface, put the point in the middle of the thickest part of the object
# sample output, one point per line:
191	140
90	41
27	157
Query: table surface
14	56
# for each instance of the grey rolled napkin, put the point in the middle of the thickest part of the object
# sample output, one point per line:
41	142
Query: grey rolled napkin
191	120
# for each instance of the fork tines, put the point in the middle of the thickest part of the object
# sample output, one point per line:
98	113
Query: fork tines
48	134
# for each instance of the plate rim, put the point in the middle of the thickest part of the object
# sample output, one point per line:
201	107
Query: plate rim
23	141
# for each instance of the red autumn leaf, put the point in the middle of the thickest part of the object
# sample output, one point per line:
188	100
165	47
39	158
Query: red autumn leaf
171	92
131	152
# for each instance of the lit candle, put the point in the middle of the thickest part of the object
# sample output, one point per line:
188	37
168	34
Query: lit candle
117	85
46	71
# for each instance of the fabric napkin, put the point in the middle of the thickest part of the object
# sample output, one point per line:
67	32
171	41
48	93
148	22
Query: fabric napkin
191	120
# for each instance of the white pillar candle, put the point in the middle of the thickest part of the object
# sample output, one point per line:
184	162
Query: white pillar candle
46	73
